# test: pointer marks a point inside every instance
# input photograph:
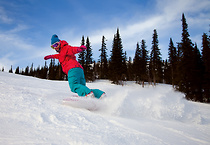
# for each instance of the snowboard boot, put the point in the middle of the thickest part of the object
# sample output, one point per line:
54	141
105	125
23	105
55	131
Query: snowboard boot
103	96
90	95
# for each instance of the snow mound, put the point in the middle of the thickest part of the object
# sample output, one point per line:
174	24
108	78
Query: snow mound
31	112
161	102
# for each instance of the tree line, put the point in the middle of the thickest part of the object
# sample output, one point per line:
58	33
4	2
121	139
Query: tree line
186	68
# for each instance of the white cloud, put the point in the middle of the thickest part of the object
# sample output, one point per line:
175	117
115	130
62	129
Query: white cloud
3	16
18	28
13	42
172	8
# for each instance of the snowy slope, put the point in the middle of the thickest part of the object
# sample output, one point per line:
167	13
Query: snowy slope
31	112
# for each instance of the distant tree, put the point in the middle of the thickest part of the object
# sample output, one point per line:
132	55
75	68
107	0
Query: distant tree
186	62
103	60
37	72
22	72
155	60
59	73
178	66
81	57
167	72
10	71
52	70
26	71
137	63
89	61
116	59
130	70
172	62
17	71
31	72
124	68
206	62
144	60
197	75
44	71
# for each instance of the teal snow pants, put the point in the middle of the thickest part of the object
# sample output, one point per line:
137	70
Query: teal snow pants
77	83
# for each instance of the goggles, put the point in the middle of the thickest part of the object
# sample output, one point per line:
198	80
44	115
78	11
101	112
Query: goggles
55	45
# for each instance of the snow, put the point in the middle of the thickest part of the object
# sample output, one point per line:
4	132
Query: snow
31	112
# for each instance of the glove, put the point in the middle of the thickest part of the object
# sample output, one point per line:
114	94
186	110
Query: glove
48	57
81	48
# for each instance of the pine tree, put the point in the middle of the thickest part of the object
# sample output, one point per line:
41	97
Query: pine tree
137	63
130	70
31	72
140	63
116	59
124	68
59	75
144	60
10	71
103	60
155	60
17	71
52	71
37	74
44	71
89	61
22	72
197	75
172	60
206	62
81	57
26	71
177	77
186	62
167	72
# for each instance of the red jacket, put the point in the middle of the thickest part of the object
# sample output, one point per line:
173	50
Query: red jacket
67	57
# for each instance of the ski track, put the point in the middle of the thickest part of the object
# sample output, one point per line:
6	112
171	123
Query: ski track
31	112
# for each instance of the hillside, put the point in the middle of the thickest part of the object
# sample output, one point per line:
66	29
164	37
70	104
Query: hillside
31	112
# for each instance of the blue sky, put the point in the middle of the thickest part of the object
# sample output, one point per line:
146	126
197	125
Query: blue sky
26	26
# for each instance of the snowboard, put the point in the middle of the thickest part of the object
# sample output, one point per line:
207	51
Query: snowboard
91	104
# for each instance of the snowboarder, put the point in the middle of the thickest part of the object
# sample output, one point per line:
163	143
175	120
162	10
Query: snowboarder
72	68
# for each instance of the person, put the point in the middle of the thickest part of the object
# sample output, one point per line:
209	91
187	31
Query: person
72	68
